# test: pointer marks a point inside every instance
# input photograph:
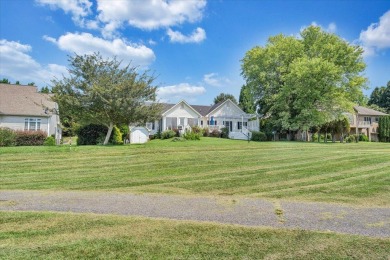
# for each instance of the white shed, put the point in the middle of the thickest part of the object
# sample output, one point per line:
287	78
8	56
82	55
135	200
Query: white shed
139	135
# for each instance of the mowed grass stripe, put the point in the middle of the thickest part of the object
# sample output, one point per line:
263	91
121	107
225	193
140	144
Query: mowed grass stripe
28	235
210	166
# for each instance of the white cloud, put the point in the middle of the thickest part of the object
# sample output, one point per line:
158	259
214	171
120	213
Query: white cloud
180	91
197	36
149	14
377	35
86	43
16	63
212	79
78	8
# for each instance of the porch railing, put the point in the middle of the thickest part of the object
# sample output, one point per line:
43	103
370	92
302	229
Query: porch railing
364	123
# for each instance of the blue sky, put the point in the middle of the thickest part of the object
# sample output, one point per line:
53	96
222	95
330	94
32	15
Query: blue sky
194	47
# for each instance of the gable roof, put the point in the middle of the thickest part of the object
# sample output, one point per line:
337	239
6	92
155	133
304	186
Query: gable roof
368	111
220	104
24	101
200	109
169	107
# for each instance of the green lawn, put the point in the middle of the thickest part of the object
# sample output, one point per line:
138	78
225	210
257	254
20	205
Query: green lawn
357	174
80	236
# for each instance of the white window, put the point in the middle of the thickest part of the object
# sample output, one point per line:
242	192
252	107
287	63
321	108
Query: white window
367	119
32	124
239	125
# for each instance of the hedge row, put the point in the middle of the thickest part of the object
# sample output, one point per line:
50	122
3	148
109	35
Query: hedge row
9	137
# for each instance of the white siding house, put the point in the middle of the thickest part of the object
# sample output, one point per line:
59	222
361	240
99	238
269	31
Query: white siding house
183	116
24	108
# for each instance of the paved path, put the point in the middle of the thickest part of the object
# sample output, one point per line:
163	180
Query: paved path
244	211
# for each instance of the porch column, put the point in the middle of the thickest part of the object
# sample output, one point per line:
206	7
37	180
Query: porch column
369	134
242	123
164	123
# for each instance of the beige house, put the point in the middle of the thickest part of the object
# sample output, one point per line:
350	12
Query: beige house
24	108
365	121
227	114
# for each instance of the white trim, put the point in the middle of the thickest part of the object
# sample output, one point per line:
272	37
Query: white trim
182	101
223	104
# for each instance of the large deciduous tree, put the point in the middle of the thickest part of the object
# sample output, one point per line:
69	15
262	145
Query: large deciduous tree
246	100
224	96
103	91
381	97
307	81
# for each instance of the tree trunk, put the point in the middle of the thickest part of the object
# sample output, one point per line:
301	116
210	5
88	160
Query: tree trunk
108	133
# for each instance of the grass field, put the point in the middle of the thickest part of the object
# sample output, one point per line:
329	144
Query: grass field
87	236
357	174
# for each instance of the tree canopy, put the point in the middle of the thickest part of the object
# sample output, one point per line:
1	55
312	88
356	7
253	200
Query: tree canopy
224	96
246	100
306	81
381	97
102	91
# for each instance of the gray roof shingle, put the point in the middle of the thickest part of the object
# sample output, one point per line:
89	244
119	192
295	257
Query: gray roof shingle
368	111
24	101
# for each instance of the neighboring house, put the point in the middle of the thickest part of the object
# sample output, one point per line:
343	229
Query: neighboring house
365	121
24	108
227	114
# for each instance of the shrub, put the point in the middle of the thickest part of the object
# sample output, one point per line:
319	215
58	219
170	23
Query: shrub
50	141
124	129
206	132
259	136
117	136
91	134
158	134
189	135
225	132
7	137
215	133
350	139
197	129
29	138
363	138
168	134
177	132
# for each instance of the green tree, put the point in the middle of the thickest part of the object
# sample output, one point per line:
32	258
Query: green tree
246	100
31	84
17	82
224	96
44	89
5	81
306	81
381	98
384	129
101	91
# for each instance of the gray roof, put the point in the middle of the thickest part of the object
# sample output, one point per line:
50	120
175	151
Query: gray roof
201	109
24	101
368	111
